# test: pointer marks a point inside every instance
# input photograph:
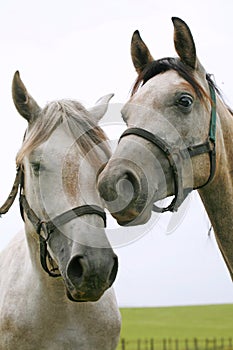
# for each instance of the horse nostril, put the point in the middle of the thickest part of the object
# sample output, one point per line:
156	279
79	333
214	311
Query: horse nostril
75	268
127	189
124	187
113	273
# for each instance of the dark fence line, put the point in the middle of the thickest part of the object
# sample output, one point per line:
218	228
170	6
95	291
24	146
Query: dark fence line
177	344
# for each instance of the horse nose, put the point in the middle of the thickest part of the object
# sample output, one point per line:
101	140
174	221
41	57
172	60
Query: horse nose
90	276
119	188
124	187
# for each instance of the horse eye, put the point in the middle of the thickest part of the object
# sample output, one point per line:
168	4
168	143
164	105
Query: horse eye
36	167
185	101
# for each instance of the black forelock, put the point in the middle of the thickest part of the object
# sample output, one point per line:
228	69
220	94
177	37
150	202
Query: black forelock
163	65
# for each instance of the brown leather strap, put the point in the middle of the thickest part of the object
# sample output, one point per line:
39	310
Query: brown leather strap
73	214
10	200
26	209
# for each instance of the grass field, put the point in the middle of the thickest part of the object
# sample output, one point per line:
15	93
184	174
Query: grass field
210	321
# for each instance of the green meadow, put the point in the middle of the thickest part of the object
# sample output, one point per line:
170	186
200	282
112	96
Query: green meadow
185	322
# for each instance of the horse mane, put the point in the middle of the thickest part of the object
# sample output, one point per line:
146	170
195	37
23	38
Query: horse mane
169	63
84	130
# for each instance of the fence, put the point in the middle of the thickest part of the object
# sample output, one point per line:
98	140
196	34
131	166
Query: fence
176	344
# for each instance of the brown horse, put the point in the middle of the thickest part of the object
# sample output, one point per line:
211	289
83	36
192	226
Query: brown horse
179	138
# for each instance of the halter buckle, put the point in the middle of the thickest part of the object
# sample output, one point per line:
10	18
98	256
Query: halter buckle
43	227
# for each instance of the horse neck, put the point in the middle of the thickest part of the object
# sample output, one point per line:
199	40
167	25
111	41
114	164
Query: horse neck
217	196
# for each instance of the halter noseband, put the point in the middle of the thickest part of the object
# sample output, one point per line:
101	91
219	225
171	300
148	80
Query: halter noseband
175	156
45	228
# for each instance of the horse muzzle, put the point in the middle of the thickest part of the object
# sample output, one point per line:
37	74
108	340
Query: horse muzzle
124	188
89	275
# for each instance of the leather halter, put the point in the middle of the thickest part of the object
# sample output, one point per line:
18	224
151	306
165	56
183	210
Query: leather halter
175	156
44	228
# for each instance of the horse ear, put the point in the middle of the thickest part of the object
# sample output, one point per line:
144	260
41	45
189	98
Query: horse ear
24	103
98	111
184	43
139	52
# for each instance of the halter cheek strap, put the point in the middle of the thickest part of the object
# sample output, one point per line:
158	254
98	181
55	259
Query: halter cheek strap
175	156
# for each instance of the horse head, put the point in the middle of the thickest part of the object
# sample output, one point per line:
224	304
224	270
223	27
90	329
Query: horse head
61	153
169	146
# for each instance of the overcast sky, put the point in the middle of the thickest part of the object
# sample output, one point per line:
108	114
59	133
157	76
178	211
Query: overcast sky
81	50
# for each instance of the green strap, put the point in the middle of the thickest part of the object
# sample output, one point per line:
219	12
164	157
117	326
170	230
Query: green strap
212	131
